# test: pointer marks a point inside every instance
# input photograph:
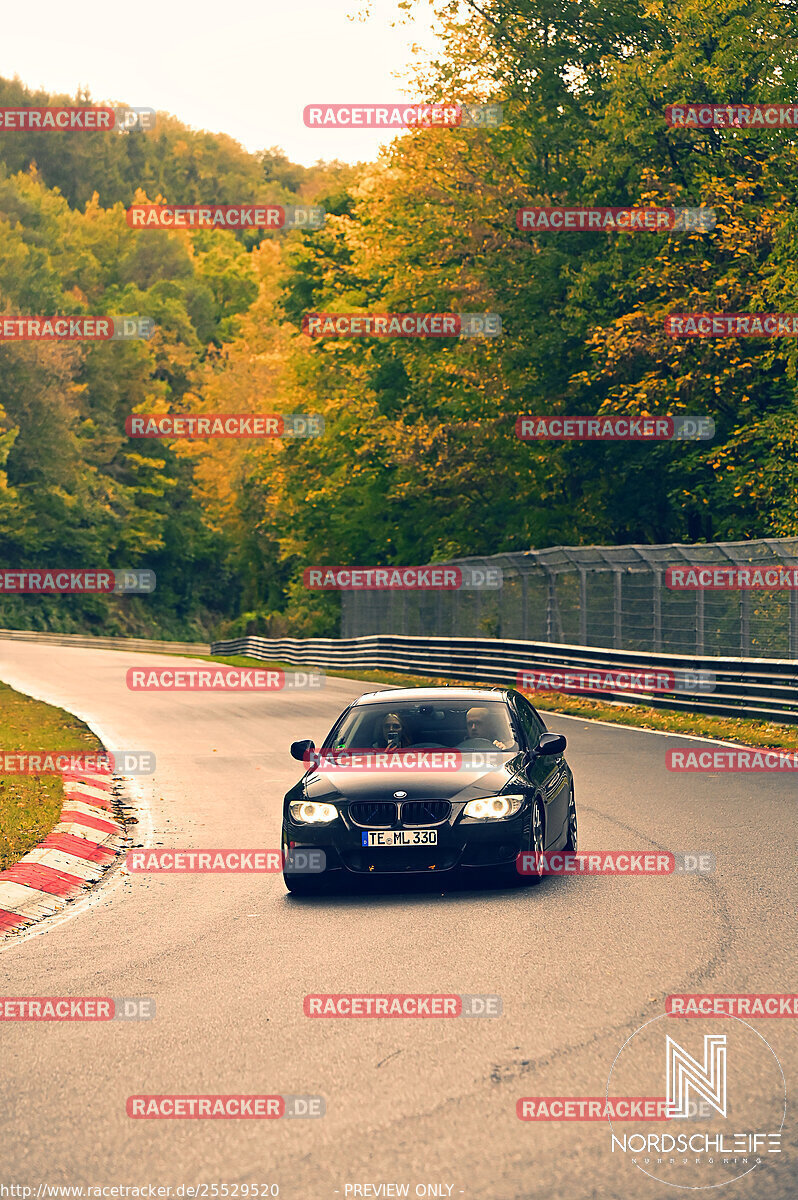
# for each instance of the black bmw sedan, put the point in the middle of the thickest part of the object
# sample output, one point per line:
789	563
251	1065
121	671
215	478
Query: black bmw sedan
428	780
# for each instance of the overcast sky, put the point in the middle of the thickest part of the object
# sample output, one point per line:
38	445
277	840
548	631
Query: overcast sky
243	69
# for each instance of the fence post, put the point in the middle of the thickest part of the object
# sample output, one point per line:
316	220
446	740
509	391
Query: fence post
617	635
478	631
699	622
582	606
745	623
657	611
551	601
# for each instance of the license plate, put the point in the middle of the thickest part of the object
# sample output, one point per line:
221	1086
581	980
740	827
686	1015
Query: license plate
400	837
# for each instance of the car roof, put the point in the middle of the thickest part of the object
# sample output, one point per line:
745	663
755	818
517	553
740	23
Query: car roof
431	693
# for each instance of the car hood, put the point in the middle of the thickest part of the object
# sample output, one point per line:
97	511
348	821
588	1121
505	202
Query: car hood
466	783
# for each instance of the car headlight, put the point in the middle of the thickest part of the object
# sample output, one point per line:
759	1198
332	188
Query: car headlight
493	808
309	812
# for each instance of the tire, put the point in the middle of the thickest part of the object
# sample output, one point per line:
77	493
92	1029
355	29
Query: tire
300	884
571	840
536	842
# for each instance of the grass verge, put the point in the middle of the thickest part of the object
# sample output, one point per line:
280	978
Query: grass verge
736	730
30	805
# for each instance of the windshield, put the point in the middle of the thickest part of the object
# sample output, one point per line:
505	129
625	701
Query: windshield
392	725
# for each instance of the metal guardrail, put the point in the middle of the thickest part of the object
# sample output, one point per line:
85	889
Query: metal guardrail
104	643
762	688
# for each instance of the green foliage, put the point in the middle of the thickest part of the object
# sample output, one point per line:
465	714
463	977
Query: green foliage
419	461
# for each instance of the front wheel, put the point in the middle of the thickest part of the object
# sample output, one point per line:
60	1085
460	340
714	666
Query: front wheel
301	883
571	839
536	845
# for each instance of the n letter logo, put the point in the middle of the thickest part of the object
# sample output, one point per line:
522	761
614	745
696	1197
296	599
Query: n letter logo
707	1080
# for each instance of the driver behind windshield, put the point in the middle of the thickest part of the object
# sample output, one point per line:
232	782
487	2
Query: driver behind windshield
482	727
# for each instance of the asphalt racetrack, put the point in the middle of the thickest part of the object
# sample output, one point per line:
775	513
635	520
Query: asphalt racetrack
579	963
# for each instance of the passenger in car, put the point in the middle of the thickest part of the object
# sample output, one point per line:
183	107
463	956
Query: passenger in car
393	734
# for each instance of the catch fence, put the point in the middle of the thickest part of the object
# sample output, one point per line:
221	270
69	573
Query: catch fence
615	597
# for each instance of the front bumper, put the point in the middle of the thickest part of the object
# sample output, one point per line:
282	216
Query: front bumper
461	845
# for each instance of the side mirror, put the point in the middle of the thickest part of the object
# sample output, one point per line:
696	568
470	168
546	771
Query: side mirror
551	743
301	750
